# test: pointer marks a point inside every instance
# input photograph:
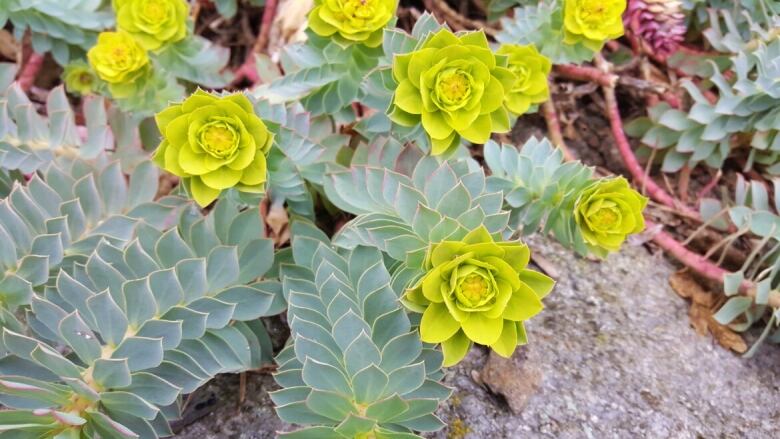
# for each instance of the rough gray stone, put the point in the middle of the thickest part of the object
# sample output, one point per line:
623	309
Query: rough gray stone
617	358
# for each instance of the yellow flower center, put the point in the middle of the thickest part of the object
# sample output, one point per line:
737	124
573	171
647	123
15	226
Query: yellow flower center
219	139
605	218
474	288
154	11
358	9
453	87
85	78
595	13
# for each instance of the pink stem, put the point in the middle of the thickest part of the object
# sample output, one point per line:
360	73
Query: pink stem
629	159
586	73
30	71
703	266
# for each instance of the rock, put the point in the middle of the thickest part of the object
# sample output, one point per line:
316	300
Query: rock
616	357
516	378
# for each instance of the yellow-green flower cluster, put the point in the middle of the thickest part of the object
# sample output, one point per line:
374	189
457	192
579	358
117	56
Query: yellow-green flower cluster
153	23
531	70
456	86
607	212
214	143
120	61
592	22
477	290
352	21
79	78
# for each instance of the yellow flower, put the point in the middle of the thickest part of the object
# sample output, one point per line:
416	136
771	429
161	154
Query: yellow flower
592	22
476	290
531	69
352	21
153	23
214	143
606	212
120	61
79	78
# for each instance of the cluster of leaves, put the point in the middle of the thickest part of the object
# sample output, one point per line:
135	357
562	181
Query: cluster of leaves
750	212
115	302
67	29
743	117
543	25
70	29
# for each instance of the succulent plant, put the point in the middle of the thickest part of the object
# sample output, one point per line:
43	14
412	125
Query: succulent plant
352	21
214	143
144	324
660	24
153	23
354	367
476	290
120	61
592	22
607	211
455	86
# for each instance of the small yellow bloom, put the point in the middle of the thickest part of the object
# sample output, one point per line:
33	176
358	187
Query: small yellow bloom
352	21
607	212
153	23
120	61
531	69
592	22
79	78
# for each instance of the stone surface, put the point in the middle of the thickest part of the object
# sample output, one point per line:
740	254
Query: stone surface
616	357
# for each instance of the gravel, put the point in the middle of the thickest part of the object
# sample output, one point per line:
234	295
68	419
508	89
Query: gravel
612	355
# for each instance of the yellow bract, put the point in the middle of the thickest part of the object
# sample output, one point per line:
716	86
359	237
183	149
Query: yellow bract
593	22
352	21
118	59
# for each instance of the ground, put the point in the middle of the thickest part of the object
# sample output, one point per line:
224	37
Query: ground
612	355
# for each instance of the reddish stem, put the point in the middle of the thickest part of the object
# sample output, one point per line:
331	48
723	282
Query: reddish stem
701	265
30	71
587	74
655	191
248	69
554	128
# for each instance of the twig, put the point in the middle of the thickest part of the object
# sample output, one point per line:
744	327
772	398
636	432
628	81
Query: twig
269	13
703	266
710	185
30	71
248	70
554	128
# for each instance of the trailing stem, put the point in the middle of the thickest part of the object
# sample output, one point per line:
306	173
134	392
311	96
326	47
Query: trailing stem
554	128
703	266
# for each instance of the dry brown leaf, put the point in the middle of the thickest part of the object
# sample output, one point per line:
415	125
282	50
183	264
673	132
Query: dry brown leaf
289	26
703	306
9	47
278	222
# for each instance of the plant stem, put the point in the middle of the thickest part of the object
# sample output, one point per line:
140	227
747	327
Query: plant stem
30	71
703	266
655	191
554	128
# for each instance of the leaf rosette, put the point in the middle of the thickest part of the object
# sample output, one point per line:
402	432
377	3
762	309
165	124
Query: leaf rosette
214	143
120	61
531	69
607	212
153	23
352	21
455	85
477	290
592	22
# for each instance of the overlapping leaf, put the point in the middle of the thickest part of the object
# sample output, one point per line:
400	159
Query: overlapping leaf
353	367
145	324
